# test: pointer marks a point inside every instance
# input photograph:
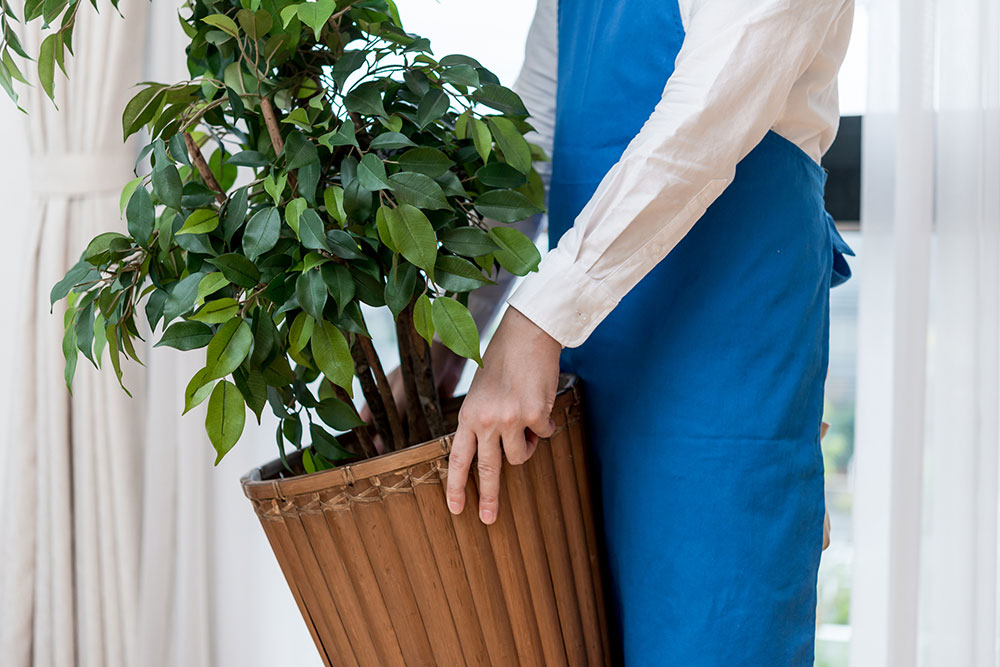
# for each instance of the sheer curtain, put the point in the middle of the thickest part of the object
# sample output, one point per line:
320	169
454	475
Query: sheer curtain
926	504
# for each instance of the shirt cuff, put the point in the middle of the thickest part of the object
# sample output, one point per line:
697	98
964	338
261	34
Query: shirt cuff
562	300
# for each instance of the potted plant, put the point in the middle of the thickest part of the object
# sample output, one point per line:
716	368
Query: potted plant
321	158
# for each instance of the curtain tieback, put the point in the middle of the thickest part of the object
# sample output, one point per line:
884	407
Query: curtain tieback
80	174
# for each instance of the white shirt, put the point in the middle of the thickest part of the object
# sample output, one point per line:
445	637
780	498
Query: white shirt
745	67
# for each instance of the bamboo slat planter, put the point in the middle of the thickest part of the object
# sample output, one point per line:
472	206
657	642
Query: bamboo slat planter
384	575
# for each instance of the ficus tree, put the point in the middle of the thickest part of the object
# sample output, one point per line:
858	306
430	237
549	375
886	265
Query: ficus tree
319	158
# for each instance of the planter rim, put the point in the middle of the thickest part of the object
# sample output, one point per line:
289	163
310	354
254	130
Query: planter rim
257	486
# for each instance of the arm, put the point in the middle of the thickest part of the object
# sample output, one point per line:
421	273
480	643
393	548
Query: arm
731	80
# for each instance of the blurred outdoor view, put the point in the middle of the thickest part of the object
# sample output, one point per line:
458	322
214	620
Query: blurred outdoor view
833	632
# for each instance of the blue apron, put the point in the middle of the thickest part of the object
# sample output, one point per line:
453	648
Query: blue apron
704	386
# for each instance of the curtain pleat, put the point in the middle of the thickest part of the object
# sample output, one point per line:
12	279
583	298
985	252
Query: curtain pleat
927	471
71	504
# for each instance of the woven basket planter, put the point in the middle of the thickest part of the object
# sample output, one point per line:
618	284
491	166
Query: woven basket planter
385	575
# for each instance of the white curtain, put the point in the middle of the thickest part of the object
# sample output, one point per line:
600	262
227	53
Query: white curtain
928	416
72	468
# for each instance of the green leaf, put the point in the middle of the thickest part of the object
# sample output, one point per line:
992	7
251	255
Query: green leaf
333	199
127	193
293	210
458	275
255	23
311	293
517	253
237	269
500	175
311	231
183	295
141	216
299	151
275	186
500	98
217	311
366	99
253	387
47	63
167	184
316	14
265	335
70	353
432	106
418	190
201	221
428	161
343	245
468	241
505	206
389	141
454	324
371	173
332	355
515	149
298	117
254	159
482	138
462	124
339	284
223	23
211	284
235	215
186	336
73	277
300	332
422	318
141	109
226	418
262	232
197	390
338	415
344	136
382	227
327	446
312	260
228	349
399	287
413	235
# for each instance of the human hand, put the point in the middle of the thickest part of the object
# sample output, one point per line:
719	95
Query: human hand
508	405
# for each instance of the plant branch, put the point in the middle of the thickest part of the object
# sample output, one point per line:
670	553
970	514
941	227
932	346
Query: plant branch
385	391
271	123
415	419
423	374
370	390
203	169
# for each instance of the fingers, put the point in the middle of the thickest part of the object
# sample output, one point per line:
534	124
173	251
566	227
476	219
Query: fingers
515	447
490	460
541	424
463	449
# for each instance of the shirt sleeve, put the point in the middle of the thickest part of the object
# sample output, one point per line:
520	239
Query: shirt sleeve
732	77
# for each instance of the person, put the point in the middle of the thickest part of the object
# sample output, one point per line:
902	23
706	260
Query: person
688	287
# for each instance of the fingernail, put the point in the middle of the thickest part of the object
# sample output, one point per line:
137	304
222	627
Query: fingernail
453	506
486	516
